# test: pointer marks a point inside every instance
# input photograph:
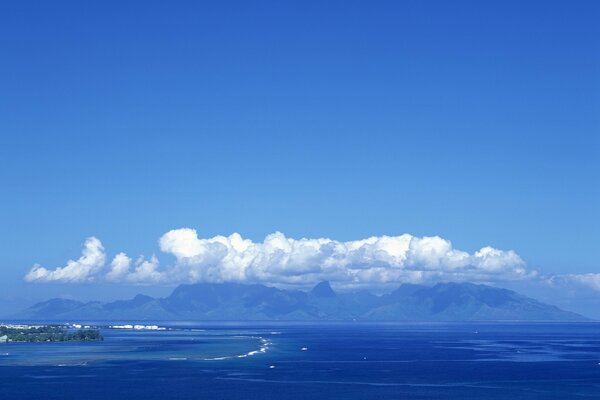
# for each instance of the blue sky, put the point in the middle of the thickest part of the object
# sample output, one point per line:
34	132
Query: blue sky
474	121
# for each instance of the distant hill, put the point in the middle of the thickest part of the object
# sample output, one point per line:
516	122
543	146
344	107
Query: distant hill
235	301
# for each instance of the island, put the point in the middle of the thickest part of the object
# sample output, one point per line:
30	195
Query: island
47	333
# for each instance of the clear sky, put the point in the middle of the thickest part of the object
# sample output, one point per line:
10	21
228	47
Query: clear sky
475	121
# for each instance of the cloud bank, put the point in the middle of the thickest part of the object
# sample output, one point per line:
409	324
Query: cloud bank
375	261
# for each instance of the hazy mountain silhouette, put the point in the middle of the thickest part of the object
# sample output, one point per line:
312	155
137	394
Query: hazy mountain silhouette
235	301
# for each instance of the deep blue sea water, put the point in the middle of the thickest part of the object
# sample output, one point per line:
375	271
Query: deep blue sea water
341	361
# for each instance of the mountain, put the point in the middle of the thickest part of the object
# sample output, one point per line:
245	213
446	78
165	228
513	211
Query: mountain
236	301
323	289
55	307
465	302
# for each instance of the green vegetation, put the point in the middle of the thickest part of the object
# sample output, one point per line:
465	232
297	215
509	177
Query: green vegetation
49	333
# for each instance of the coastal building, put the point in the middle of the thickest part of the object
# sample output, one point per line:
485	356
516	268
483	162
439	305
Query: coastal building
3	339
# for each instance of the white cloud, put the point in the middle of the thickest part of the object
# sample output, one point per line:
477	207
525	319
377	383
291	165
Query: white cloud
590	280
146	272
82	270
119	267
278	259
375	260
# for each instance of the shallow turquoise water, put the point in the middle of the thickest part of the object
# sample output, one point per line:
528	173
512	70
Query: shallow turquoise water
129	345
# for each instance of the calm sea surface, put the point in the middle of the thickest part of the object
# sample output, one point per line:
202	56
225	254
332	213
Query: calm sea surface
330	361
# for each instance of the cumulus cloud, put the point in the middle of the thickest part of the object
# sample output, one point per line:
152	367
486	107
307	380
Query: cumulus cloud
83	269
378	260
119	267
146	272
375	260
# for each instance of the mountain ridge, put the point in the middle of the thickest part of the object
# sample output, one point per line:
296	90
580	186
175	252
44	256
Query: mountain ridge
236	301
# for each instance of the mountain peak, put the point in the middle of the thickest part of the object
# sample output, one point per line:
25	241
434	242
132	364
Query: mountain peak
323	289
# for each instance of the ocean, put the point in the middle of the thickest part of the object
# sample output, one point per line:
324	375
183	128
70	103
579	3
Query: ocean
313	361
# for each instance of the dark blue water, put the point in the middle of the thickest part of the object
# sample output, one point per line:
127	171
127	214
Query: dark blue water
341	361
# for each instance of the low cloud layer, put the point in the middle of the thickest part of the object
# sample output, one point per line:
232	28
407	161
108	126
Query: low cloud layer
374	261
591	281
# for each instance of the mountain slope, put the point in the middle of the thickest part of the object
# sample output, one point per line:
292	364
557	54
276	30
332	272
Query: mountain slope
465	302
235	301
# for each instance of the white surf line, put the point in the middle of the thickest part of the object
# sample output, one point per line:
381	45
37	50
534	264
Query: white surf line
264	347
79	364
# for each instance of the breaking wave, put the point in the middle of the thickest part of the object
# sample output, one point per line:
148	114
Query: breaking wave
264	347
